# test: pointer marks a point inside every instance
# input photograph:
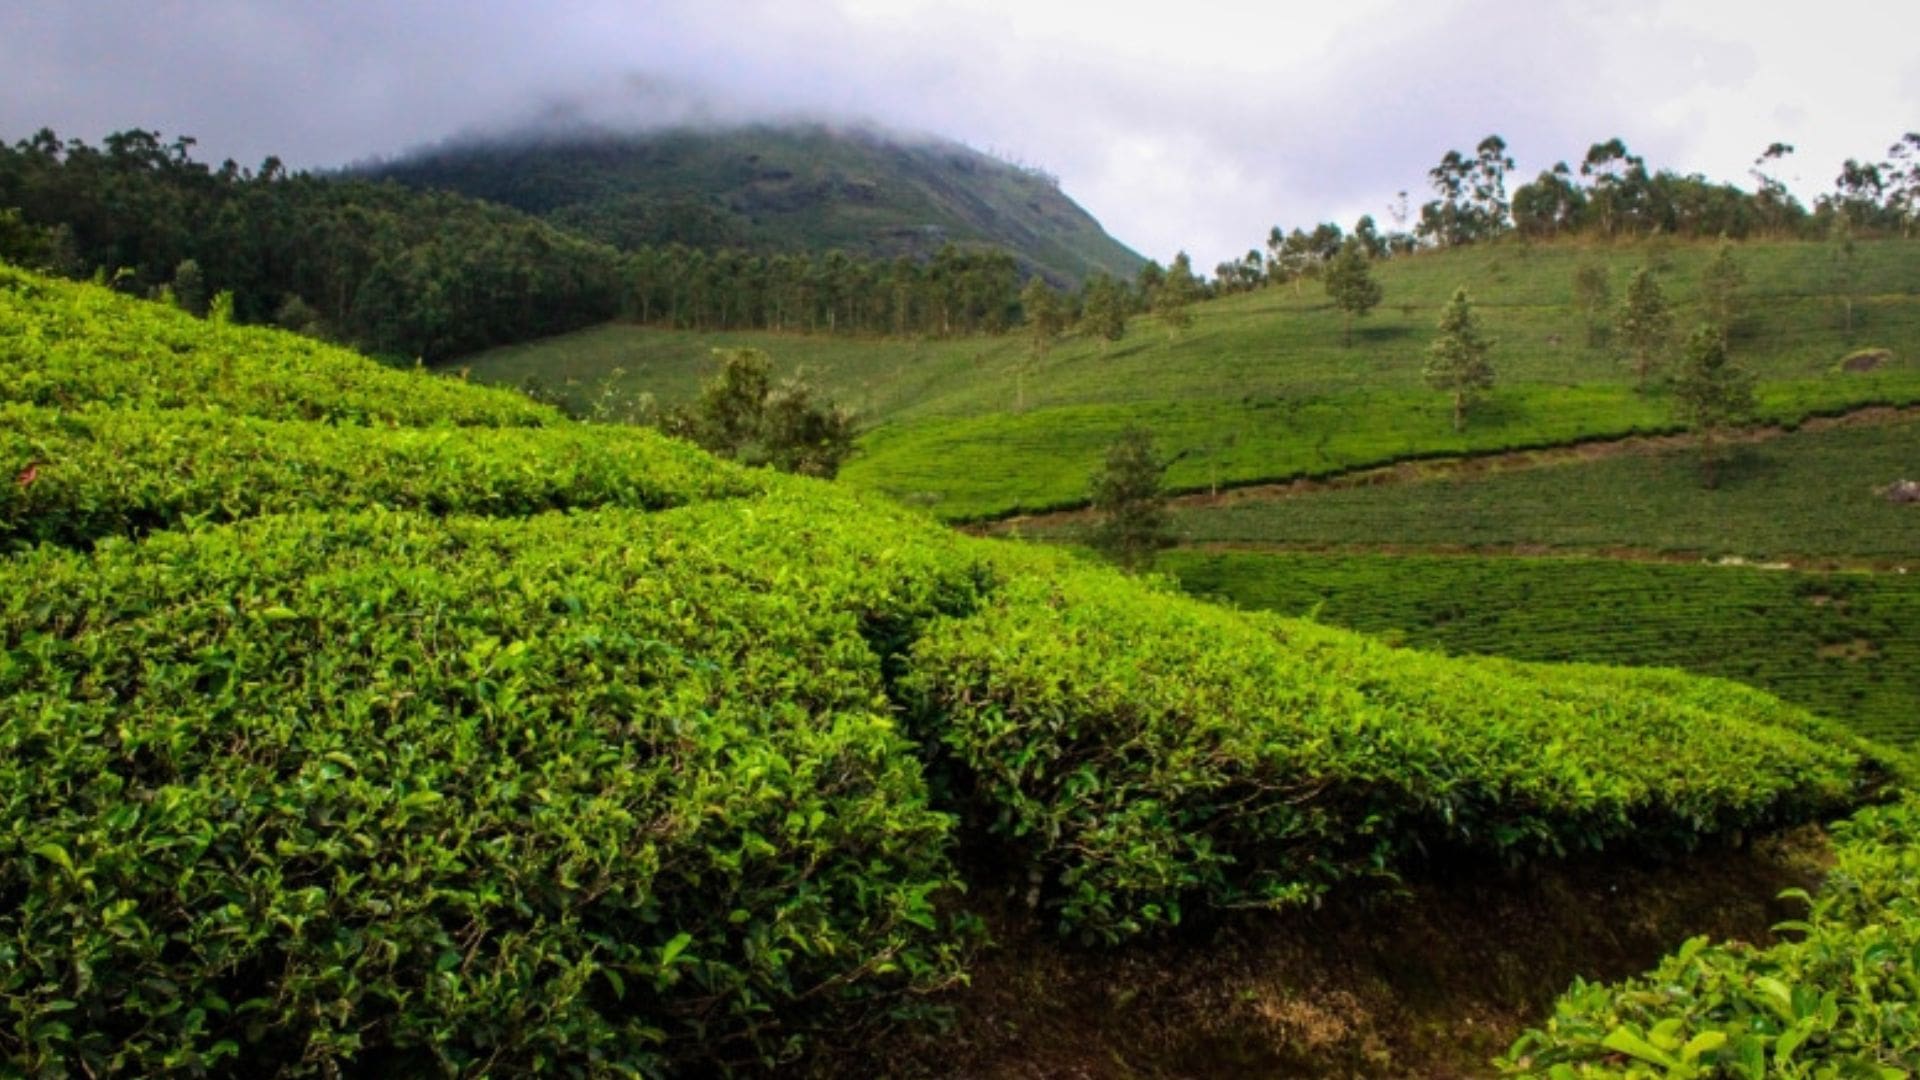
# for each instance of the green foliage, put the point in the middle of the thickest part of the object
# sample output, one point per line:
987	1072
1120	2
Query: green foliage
1174	297
190	288
1144	753
780	188
585	792
100	472
975	427
1103	310
611	791
401	273
1646	326
62	344
1841	997
1127	499
1837	644
745	416
1720	285
1710	393
1647	501
1457	359
1593	295
1041	311
1350	285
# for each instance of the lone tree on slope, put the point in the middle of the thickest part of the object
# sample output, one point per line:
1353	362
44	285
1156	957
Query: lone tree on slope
1593	295
1177	292
1711	393
1646	325
1457	360
1720	285
1349	281
1127	498
1104	311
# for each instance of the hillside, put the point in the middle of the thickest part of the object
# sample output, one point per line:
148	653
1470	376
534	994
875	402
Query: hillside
777	189
373	721
1260	388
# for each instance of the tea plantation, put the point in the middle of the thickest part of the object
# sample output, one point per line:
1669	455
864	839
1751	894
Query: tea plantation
1262	388
360	721
1840	644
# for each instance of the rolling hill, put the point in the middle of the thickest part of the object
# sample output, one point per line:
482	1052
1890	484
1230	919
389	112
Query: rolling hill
355	719
1261	389
773	188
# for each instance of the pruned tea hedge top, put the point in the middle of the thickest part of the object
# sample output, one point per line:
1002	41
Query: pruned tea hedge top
90	473
610	788
63	344
1148	750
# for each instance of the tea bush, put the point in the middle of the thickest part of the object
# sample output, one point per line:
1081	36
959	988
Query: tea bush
1143	751
81	475
1840	999
594	792
66	344
378	754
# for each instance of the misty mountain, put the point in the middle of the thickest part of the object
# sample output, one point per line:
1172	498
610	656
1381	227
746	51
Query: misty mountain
776	188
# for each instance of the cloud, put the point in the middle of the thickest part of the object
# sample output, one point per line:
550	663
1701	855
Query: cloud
1191	126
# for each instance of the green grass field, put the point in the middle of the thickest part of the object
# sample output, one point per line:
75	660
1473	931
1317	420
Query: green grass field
1804	496
1841	644
1261	388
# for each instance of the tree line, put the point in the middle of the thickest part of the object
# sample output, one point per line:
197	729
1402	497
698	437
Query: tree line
430	275
1609	193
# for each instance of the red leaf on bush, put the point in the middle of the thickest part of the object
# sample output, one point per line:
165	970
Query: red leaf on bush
28	475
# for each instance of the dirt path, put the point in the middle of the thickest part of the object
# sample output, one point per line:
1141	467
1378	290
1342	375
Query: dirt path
1465	465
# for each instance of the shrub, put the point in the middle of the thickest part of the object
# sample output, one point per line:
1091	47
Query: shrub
1841	998
596	792
1142	752
81	475
66	344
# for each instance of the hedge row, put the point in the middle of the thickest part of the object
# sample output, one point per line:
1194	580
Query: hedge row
66	344
81	475
1145	751
1840	999
601	792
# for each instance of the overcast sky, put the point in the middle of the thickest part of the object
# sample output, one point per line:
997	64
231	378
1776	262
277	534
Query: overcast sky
1179	123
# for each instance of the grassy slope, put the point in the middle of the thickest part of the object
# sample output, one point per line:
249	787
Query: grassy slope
1805	496
807	188
1261	388
1840	644
223	700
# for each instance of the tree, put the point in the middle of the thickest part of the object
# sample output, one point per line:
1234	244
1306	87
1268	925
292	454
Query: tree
1104	310
1176	294
1127	499
1041	307
1457	360
1775	205
1646	324
190	288
1593	293
743	415
1720	285
1844	268
1711	393
1902	172
1349	281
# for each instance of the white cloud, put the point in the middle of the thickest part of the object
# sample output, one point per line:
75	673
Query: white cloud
1194	125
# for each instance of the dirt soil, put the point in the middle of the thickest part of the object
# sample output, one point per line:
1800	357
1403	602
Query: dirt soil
1432	980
